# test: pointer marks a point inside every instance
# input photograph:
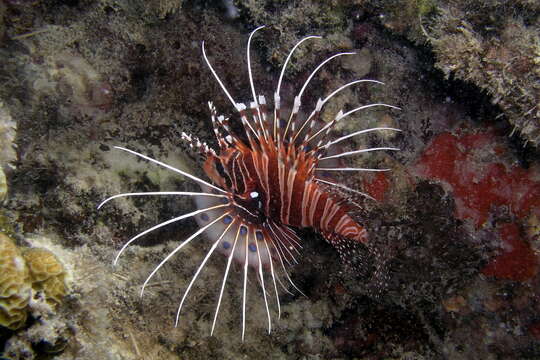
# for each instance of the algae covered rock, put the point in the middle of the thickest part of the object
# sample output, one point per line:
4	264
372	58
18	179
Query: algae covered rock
3	185
15	285
8	131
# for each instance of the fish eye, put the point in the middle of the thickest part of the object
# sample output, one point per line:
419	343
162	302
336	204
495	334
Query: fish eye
254	194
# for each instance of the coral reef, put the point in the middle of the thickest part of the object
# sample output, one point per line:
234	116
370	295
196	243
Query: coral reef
36	290
150	11
454	218
47	274
289	21
484	188
27	273
506	65
480	184
492	44
15	285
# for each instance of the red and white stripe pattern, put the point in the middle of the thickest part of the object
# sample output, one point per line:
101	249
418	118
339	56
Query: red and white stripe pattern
264	184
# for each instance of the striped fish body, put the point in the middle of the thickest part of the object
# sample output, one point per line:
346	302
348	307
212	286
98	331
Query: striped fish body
283	175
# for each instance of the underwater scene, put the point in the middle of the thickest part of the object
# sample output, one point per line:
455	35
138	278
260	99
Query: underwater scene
269	179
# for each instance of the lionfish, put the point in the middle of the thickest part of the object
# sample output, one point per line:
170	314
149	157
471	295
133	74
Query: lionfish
265	183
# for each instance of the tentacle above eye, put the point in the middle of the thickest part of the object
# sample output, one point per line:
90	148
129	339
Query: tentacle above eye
172	168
